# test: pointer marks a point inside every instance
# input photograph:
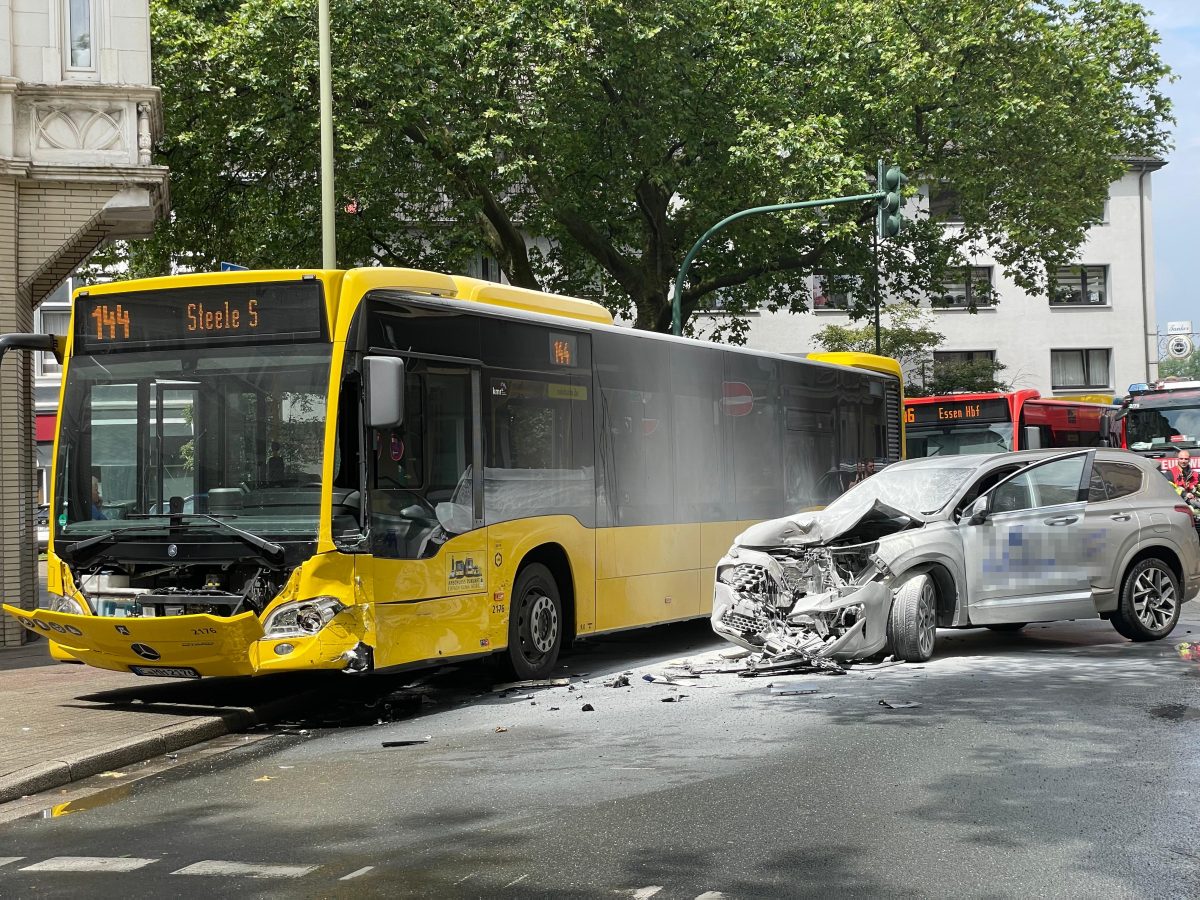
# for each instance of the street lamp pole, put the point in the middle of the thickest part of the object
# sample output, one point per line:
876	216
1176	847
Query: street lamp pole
676	299
328	234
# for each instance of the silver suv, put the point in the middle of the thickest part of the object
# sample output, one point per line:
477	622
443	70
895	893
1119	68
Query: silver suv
964	541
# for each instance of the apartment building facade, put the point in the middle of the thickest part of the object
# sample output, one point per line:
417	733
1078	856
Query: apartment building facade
1095	334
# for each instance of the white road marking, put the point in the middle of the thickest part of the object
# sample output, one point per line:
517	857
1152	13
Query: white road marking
517	880
647	892
5	860
245	870
363	871
461	880
89	864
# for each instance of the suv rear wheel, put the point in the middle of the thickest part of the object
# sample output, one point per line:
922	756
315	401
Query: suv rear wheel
1150	600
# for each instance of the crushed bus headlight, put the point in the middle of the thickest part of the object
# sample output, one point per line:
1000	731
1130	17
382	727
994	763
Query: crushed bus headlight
302	617
59	603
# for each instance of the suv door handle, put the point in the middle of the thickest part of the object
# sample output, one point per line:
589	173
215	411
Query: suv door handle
1120	517
1062	520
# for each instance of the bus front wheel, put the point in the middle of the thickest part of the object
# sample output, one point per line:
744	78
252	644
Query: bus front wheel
535	623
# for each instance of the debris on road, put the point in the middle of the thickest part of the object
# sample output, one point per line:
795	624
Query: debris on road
790	692
530	683
618	682
899	704
587	707
408	742
659	679
500	729
672	698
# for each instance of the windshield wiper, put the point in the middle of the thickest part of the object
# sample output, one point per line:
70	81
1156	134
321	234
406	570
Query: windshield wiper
72	553
274	552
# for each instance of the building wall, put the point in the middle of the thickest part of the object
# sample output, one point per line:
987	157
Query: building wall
1024	329
78	116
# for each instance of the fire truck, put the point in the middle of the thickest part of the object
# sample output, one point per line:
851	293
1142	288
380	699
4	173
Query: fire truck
1158	420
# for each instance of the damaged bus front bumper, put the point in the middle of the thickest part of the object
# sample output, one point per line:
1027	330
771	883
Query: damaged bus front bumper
192	646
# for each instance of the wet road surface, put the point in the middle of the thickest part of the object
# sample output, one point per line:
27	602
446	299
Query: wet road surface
1060	761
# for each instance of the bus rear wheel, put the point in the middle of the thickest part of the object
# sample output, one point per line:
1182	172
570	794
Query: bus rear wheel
535	623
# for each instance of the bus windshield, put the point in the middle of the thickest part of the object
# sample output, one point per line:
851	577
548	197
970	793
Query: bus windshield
1163	428
231	431
957	440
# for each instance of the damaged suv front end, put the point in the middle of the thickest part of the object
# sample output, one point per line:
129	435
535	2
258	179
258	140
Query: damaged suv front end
820	586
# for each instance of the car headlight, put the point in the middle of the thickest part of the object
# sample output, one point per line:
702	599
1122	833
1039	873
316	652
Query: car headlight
302	617
59	603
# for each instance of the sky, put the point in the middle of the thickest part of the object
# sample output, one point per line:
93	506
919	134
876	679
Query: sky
1176	187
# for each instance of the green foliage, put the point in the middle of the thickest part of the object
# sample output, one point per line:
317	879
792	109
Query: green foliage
977	376
621	130
1187	368
906	334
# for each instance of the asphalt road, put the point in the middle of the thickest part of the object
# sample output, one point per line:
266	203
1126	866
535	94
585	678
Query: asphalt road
1056	762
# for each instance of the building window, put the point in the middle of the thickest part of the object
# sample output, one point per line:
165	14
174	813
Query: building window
945	204
1079	286
80	33
959	357
53	321
964	288
832	291
1079	368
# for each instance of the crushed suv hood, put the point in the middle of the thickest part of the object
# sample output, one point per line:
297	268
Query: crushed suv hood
815	528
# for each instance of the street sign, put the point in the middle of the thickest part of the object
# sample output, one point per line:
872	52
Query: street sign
1179	328
738	399
232	267
1180	346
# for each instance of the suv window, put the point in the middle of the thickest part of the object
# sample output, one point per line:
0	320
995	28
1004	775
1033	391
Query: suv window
1111	481
1048	484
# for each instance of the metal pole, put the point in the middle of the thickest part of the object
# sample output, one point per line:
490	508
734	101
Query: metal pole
875	251
328	234
676	304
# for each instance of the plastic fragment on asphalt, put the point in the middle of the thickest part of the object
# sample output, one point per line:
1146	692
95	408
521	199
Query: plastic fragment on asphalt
659	679
533	682
112	774
735	653
587	707
266	778
408	742
554	709
790	692
899	704
672	698
500	729
619	681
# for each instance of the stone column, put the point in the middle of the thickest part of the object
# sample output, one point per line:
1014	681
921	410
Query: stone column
18	562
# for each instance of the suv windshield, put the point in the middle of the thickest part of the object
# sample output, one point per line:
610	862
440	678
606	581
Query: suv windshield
1163	428
235	432
914	490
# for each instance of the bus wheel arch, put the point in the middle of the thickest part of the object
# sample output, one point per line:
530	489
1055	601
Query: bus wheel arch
543	579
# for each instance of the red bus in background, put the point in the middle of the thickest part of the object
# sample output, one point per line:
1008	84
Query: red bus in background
1158	420
992	423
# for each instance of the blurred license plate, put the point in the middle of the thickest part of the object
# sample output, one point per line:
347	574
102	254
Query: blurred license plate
166	671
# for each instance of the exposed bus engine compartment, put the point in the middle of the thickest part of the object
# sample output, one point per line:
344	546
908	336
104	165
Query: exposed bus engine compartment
149	591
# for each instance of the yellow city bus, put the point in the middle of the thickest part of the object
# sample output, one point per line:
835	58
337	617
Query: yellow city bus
266	471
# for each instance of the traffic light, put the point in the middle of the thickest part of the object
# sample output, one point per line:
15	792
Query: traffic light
889	221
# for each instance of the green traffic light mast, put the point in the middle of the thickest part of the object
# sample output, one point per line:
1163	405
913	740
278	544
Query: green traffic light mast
889	223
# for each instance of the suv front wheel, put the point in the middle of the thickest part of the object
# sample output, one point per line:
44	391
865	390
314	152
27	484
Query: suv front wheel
1150	600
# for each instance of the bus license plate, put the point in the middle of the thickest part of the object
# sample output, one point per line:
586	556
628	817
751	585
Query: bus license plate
166	671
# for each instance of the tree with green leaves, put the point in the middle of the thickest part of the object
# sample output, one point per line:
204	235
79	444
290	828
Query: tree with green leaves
585	144
1187	368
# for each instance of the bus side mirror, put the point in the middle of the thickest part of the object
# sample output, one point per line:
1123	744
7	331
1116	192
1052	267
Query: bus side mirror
383	384
978	513
1031	438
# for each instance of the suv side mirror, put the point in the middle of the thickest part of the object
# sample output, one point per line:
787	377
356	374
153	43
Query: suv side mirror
978	512
383	384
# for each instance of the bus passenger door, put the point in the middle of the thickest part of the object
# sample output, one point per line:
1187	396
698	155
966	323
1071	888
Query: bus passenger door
425	521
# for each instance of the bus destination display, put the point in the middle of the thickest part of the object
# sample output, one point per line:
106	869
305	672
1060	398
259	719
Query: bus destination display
957	412
211	315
